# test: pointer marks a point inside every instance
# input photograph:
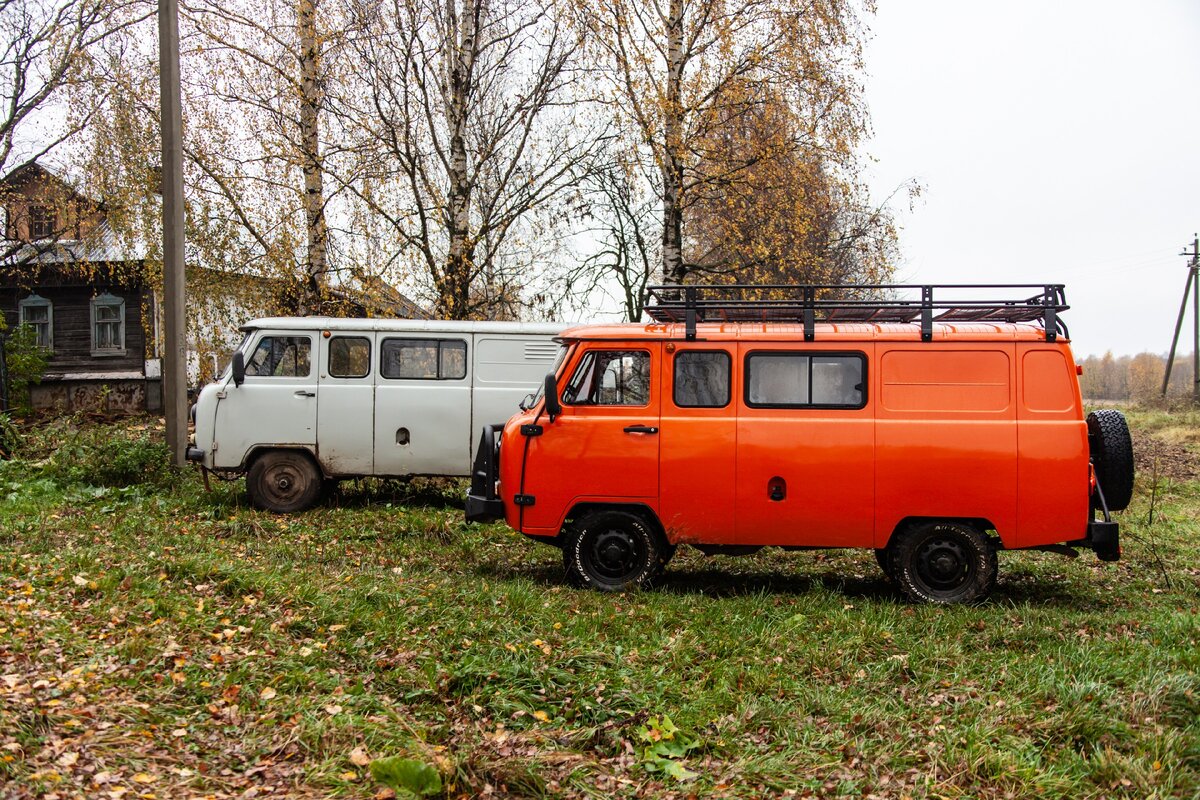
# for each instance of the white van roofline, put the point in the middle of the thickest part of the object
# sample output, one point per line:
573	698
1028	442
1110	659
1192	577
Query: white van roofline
401	325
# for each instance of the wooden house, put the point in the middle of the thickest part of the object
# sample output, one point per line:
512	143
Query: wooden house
65	273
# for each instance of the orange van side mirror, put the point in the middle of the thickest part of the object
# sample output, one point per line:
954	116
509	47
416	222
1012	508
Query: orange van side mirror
553	407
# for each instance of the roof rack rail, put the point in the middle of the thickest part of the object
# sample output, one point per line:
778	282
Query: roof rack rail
807	304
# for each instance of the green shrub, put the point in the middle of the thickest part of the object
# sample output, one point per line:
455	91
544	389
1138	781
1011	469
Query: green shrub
108	455
10	438
26	363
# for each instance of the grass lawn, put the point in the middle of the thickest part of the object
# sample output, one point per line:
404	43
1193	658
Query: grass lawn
160	641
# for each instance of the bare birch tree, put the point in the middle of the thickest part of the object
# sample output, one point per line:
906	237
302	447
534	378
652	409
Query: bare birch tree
256	83
467	132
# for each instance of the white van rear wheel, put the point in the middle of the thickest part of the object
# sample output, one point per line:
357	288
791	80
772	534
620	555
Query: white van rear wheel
283	481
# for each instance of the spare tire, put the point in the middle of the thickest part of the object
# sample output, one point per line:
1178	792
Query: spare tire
1112	457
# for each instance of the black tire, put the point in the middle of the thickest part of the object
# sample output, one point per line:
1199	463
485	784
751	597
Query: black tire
612	551
943	562
881	558
283	481
1112	457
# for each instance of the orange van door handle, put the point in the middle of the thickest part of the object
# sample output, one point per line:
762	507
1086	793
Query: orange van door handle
641	429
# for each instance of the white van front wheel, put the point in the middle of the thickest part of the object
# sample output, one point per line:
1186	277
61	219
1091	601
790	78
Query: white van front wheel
283	481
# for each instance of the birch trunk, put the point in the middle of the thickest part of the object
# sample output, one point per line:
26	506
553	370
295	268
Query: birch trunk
674	270
454	293
316	264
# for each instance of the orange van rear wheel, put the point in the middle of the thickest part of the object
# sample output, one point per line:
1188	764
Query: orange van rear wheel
943	562
612	550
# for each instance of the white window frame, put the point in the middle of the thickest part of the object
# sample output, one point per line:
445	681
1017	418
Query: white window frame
108	300
37	301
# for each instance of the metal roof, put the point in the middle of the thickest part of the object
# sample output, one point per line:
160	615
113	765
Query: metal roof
401	325
102	246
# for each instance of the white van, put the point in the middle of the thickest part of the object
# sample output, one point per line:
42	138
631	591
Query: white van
307	400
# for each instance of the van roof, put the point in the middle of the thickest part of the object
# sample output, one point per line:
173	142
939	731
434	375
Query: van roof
824	331
401	325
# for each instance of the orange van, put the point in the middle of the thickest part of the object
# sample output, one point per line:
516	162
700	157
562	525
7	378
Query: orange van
933	430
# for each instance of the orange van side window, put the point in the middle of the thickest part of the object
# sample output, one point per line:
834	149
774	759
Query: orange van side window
802	380
945	380
610	378
1047	384
702	379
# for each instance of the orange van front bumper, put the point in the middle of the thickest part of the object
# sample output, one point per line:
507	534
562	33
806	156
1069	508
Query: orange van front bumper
484	504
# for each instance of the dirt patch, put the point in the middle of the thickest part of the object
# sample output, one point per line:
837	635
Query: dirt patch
1171	460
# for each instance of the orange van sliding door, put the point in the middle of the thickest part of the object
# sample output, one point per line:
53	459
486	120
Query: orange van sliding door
946	442
698	443
805	445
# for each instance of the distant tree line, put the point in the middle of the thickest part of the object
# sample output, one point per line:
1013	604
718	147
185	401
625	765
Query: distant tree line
1136	379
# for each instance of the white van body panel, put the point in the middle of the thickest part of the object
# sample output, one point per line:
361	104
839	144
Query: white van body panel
345	411
375	424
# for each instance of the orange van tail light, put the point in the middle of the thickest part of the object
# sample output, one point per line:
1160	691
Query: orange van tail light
1091	479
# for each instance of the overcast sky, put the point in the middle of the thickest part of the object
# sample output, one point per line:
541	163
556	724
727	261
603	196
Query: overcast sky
1056	141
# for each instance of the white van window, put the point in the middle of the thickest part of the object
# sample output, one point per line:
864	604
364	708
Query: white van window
795	380
610	378
349	356
423	359
281	357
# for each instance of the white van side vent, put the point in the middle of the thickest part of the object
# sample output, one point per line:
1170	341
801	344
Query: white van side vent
540	351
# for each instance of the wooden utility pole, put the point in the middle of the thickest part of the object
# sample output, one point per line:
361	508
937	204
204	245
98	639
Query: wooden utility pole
1192	286
174	369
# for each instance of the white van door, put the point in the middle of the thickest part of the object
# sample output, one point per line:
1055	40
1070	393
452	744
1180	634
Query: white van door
345	414
276	404
423	405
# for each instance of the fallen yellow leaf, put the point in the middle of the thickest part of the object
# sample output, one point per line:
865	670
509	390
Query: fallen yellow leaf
359	757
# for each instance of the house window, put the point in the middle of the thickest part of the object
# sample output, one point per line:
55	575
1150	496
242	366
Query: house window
43	222
38	313
108	325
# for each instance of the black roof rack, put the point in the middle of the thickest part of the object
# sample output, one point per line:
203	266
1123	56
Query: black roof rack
807	304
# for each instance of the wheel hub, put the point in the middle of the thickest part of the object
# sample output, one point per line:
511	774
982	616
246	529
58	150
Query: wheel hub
615	553
942	564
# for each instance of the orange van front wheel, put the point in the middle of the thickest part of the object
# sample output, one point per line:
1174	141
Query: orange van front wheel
613	550
943	562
